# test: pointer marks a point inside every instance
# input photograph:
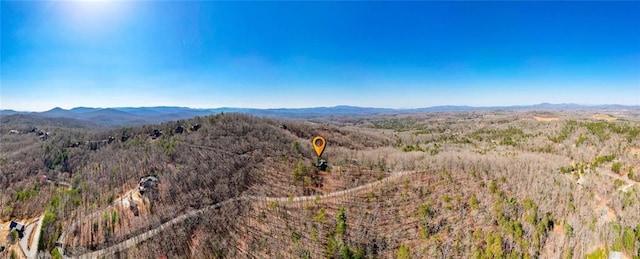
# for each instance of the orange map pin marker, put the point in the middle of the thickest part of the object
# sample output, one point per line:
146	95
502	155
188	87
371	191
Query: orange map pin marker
318	144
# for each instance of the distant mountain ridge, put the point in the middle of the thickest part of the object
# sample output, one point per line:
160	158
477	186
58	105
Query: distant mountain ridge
126	116
19	121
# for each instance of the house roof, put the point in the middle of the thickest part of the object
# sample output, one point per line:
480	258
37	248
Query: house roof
148	178
16	225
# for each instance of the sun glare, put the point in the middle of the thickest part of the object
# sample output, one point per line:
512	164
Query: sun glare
94	17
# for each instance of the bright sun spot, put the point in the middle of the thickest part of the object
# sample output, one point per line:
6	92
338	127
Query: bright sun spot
94	18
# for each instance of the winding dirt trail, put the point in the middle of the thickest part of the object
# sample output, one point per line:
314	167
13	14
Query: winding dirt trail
29	244
622	178
604	210
602	207
66	231
150	233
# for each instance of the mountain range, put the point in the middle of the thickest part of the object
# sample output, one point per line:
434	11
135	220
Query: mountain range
127	116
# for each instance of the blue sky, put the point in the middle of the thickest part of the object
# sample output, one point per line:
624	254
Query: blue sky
307	54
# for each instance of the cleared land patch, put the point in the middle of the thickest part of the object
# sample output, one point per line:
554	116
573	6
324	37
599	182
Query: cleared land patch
545	119
604	117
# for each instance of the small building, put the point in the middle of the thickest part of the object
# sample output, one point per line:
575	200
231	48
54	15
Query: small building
19	227
147	183
156	134
322	165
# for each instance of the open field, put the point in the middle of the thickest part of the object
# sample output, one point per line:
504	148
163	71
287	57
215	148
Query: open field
545	119
604	117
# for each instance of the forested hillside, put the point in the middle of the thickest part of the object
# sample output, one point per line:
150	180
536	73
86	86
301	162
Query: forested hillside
436	185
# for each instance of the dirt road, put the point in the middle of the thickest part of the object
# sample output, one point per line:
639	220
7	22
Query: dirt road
150	233
65	232
31	250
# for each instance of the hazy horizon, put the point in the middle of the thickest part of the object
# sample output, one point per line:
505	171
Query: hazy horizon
314	107
317	54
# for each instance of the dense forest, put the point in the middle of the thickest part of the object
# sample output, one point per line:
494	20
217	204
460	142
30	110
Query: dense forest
488	184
